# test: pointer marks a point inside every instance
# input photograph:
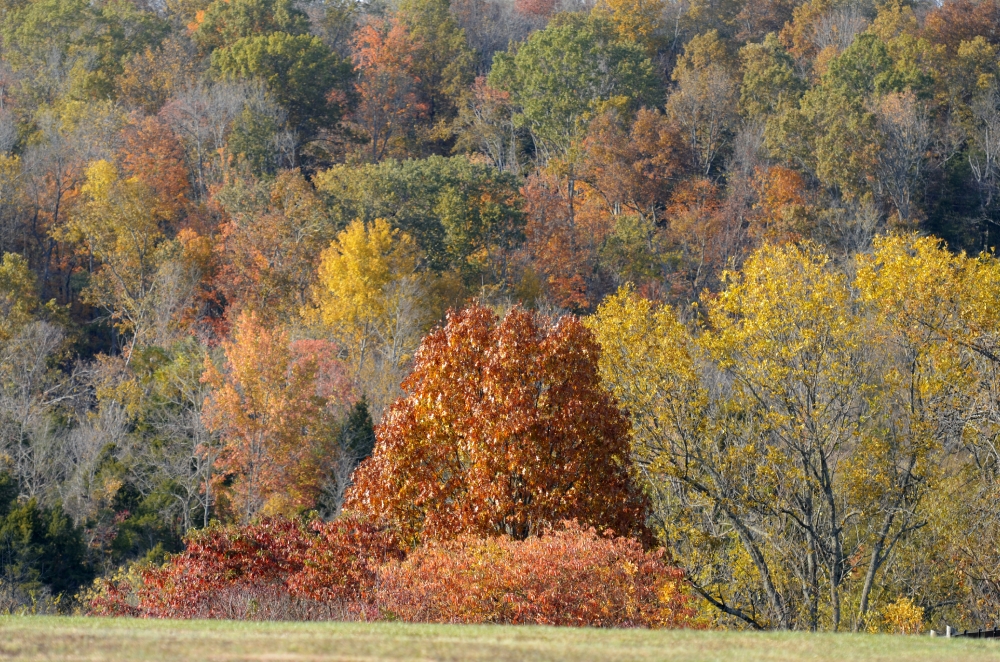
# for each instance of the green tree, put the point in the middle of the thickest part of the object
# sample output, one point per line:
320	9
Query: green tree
566	74
442	61
770	81
225	22
464	216
301	73
40	548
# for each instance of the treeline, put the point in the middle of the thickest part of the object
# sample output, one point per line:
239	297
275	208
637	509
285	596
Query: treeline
226	227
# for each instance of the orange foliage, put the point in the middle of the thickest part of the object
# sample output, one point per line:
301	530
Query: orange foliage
570	577
559	245
152	153
273	422
270	252
697	225
782	208
387	90
635	171
956	21
505	428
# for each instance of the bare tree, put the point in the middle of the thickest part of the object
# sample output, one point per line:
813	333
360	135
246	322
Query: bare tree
202	117
704	105
905	136
839	26
984	155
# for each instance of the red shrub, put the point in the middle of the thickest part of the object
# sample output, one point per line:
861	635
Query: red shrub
274	569
568	577
342	565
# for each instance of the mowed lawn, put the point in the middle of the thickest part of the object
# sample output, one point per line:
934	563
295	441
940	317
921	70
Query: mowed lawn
55	638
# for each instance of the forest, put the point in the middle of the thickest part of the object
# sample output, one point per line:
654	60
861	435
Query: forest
655	313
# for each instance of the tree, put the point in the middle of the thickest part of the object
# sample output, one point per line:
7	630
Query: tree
569	72
225	22
151	153
442	60
388	100
121	223
271	244
805	424
635	171
464	216
40	549
901	160
18	298
704	101
273	422
372	296
486	125
304	76
770	81
642	21
504	427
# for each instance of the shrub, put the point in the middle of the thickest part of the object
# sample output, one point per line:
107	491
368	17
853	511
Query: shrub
352	569
270	570
571	576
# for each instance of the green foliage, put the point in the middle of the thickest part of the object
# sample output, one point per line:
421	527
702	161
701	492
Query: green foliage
462	214
40	548
225	22
576	68
443	61
769	78
358	431
863	70
89	41
299	71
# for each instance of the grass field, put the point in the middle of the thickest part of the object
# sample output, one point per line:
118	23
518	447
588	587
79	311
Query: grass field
54	638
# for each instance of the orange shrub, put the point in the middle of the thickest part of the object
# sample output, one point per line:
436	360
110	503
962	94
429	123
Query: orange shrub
571	576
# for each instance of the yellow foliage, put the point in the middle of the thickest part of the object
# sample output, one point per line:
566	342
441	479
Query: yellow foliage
804	390
637	20
900	617
374	298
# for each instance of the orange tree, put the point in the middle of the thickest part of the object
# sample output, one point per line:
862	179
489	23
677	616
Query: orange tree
505	427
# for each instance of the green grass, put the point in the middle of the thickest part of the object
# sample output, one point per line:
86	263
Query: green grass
55	638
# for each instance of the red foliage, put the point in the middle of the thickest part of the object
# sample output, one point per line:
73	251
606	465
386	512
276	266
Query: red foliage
218	558
310	569
541	8
567	577
342	563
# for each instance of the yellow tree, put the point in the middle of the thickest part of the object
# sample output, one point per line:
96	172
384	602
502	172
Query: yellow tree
791	438
374	299
120	223
944	314
18	297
